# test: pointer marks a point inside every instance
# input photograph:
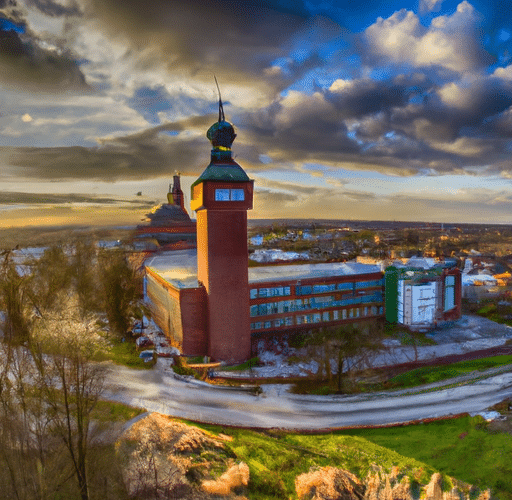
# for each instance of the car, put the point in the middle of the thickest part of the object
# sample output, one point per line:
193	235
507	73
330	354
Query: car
147	356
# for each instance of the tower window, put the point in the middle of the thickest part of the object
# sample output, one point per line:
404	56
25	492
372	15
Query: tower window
222	195
237	195
229	195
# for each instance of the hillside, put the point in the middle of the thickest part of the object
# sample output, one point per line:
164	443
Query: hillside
165	456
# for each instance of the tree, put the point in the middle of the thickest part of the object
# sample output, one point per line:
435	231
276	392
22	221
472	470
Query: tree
120	290
71	382
350	346
14	301
51	275
84	264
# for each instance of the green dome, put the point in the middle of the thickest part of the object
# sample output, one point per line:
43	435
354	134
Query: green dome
221	134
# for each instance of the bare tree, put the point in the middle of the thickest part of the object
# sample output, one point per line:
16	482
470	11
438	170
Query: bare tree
350	346
71	381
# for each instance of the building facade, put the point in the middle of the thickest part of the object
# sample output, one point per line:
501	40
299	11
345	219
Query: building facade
314	295
422	298
281	299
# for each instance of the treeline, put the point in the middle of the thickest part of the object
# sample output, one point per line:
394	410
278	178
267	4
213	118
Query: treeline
52	312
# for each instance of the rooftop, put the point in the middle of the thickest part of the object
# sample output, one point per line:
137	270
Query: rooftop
179	268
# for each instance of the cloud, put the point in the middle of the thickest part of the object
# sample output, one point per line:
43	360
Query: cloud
54	8
430	5
236	40
10	197
450	42
27	61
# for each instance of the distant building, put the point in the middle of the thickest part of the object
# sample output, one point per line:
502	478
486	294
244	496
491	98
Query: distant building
168	225
421	298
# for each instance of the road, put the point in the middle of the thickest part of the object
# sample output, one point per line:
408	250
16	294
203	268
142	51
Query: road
158	390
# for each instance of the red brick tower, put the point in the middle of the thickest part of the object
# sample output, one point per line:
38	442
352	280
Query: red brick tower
221	197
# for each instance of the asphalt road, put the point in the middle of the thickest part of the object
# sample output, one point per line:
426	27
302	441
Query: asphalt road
158	390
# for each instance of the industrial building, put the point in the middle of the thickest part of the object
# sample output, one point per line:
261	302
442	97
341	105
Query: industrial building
209	302
282	299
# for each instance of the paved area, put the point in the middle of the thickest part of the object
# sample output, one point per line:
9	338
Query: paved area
159	391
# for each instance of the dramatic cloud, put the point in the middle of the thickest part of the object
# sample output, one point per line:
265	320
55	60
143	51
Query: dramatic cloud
124	91
30	62
451	42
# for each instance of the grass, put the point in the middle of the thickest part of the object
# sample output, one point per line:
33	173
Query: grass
412	378
276	458
463	448
125	353
246	365
107	411
466	449
431	374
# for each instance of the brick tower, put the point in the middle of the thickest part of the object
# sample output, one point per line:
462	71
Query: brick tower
221	197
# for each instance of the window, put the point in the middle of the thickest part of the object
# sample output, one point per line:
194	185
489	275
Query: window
254	293
229	195
237	195
268	324
222	195
325	316
344	314
335	315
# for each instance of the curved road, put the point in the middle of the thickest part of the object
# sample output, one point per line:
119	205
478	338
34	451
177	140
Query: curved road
158	390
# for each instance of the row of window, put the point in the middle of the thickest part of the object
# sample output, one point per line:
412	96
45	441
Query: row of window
323	317
278	291
284	291
312	303
356	285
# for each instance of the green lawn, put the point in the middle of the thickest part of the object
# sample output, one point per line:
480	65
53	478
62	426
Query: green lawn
463	448
125	353
430	374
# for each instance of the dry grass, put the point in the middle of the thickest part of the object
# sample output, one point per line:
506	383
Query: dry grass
328	482
235	477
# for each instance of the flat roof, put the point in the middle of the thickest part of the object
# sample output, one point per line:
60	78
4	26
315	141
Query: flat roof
179	268
309	271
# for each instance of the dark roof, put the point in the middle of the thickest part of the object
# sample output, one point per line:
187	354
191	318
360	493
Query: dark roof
225	170
168	215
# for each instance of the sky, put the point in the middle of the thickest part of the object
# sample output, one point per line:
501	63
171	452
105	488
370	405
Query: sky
395	110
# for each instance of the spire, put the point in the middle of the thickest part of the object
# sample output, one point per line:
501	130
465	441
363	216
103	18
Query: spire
221	107
221	134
